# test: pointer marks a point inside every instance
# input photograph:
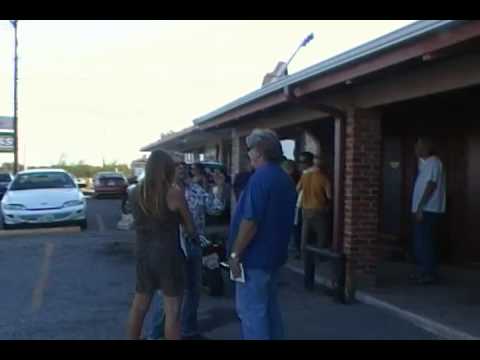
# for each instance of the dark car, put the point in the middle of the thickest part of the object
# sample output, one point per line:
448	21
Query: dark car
5	180
110	183
210	167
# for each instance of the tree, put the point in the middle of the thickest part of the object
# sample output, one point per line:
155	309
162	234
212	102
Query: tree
83	170
63	159
8	167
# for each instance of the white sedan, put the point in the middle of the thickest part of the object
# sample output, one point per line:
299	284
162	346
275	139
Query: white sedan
43	196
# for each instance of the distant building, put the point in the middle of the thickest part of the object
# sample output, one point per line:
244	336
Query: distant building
138	166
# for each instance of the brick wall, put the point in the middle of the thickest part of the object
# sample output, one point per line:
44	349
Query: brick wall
362	190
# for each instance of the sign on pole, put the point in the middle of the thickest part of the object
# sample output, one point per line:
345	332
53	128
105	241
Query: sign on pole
6	142
6	123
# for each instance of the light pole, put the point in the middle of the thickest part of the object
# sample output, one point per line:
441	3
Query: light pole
284	70
15	103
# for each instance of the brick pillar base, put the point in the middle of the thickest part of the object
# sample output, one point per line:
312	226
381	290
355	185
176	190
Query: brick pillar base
362	190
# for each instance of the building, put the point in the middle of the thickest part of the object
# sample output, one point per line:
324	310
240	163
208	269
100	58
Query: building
362	110
138	166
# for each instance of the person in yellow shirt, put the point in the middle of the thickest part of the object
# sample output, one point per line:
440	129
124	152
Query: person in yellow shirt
315	188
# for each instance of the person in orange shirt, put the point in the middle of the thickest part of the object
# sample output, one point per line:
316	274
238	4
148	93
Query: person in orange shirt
315	188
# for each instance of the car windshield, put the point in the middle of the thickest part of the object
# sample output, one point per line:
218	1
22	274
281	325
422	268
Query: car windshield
5	178
44	180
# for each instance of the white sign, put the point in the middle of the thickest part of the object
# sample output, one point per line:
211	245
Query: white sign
6	143
6	123
288	147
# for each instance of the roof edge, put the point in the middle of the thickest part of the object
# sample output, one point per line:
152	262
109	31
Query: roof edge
394	38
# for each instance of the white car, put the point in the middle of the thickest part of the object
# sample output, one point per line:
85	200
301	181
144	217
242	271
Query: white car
43	196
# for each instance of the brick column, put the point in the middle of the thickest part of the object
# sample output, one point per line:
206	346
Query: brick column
362	190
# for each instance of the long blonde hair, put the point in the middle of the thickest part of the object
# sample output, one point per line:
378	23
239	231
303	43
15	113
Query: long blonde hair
159	177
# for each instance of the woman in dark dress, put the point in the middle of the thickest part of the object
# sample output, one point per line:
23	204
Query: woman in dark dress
158	208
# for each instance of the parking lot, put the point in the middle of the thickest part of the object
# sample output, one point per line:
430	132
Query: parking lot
72	285
78	285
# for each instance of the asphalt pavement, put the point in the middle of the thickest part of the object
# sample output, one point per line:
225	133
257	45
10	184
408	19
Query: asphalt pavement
80	286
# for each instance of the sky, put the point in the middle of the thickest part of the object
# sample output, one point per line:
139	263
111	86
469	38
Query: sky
94	90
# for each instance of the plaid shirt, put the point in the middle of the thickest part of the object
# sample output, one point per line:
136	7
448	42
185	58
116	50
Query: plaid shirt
200	204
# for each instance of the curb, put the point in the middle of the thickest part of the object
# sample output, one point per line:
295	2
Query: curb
436	328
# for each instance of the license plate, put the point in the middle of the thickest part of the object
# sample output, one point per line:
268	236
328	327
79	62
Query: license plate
30	218
47	218
111	183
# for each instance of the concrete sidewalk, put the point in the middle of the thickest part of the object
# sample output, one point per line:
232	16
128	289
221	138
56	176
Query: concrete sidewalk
311	316
445	310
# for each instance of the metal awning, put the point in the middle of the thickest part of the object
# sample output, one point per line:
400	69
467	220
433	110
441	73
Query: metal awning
188	140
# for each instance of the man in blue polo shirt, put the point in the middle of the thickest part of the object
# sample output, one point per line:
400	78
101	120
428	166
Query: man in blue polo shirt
259	236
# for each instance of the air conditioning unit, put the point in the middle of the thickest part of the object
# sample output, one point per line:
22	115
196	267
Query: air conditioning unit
279	72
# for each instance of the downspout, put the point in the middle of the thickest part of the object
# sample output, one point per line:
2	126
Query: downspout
339	163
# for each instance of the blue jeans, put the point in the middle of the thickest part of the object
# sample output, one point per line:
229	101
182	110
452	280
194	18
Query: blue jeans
193	288
157	325
191	298
257	305
425	243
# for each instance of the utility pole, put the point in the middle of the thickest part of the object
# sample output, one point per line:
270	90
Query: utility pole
15	102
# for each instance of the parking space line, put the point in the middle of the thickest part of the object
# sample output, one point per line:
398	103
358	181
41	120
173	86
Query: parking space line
38	291
101	224
7	234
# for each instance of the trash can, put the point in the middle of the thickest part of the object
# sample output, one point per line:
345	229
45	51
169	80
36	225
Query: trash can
211	272
228	284
213	282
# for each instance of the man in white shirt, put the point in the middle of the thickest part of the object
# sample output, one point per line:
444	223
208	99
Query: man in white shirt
428	204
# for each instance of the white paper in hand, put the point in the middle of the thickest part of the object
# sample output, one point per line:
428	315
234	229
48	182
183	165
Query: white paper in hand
241	278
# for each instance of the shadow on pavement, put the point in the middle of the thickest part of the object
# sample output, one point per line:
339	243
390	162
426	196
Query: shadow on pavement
218	317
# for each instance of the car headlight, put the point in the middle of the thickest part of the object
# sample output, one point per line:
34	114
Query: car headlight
13	207
73	203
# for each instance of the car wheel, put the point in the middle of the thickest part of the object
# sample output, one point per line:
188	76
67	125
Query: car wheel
7	227
83	224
